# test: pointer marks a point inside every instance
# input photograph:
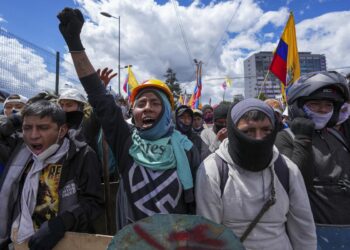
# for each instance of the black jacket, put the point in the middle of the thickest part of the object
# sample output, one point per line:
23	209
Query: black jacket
299	150
326	171
147	192
80	193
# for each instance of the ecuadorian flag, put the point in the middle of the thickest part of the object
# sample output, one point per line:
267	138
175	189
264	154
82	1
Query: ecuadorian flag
195	98
130	82
285	62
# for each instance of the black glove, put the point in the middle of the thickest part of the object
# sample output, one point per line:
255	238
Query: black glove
302	126
72	22
48	235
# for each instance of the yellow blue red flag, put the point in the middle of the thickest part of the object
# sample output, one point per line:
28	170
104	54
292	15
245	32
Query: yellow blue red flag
130	82
195	98
285	62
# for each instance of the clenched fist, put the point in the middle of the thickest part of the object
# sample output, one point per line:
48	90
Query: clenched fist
71	23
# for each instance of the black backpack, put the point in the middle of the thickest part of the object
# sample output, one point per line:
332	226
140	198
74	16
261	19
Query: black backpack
280	167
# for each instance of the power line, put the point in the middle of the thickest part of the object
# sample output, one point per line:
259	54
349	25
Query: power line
179	22
223	34
251	76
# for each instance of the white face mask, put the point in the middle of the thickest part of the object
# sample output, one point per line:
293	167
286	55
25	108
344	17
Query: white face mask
49	151
343	116
320	120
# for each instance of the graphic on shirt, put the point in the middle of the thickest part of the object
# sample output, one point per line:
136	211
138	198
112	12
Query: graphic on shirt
47	198
154	191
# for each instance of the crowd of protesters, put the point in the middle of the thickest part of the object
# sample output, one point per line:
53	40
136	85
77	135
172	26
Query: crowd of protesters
268	172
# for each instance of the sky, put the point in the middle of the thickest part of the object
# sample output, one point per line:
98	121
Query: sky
160	34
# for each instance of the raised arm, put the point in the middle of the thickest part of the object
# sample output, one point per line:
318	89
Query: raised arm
299	148
108	113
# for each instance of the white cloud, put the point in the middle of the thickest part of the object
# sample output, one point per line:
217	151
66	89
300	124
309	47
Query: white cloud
26	71
151	40
327	34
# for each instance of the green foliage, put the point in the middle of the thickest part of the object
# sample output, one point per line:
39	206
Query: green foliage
172	83
261	96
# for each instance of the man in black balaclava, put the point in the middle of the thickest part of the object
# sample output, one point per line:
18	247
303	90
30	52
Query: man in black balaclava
213	136
184	121
252	186
208	115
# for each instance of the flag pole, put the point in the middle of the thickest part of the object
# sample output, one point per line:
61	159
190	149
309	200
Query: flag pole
262	85
223	97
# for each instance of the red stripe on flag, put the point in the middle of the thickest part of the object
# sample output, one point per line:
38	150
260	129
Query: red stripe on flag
279	68
126	84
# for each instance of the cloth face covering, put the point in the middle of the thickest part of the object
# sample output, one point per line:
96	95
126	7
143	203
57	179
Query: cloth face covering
208	118
320	120
183	128
344	115
247	152
161	147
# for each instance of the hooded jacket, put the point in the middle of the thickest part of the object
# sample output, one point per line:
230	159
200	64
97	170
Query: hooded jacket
244	195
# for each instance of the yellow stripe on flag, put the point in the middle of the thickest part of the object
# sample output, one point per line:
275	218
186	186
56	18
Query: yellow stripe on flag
132	79
290	38
228	81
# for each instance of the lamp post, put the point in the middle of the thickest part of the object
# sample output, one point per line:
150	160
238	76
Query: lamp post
110	16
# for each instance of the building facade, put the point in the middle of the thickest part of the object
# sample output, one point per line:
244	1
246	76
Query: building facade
257	65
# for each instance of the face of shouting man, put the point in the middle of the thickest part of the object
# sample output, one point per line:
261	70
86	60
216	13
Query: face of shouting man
40	133
147	110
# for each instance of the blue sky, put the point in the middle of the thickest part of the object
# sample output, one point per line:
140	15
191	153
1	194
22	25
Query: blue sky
35	21
151	39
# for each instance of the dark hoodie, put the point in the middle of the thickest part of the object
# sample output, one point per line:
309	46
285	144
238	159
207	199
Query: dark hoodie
187	129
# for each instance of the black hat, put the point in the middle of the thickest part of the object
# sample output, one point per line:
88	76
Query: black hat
183	109
221	110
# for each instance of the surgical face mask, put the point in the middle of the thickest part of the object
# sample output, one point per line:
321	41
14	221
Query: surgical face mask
320	120
50	150
344	115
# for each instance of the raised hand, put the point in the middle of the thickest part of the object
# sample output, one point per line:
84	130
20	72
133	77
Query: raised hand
106	76
71	23
222	134
303	126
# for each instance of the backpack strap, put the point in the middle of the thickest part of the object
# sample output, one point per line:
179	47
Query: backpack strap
280	166
223	172
282	172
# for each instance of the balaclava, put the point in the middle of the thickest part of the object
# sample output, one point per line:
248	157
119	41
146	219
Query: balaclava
184	129
344	113
208	118
220	112
247	152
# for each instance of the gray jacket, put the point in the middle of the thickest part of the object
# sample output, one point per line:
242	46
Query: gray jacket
244	195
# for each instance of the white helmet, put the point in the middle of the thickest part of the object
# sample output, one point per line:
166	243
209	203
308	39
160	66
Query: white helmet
72	94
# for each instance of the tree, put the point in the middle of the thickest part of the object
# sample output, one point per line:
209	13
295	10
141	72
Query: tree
172	83
261	96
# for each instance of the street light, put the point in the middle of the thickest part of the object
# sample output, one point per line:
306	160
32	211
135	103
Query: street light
110	16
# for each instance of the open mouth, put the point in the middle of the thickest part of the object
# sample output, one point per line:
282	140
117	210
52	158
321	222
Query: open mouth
36	148
147	122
